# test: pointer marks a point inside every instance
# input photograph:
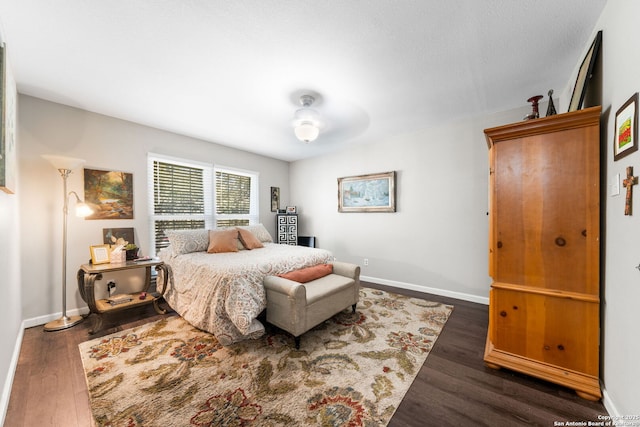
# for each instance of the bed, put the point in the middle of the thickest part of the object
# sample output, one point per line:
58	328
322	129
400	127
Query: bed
222	293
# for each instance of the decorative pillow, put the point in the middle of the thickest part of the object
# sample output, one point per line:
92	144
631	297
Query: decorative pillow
259	231
308	274
223	241
248	240
187	241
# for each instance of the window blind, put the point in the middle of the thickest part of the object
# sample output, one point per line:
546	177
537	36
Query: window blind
182	195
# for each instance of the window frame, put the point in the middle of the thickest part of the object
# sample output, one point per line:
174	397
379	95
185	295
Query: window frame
254	211
210	216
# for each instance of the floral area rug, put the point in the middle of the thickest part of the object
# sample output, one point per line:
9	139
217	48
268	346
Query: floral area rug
352	370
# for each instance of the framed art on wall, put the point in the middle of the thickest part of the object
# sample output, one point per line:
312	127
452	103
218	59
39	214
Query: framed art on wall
367	193
275	199
625	129
115	236
584	74
8	97
109	193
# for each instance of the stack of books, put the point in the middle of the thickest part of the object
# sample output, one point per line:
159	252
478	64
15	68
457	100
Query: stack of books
119	299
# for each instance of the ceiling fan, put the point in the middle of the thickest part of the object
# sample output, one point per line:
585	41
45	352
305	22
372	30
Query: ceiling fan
338	120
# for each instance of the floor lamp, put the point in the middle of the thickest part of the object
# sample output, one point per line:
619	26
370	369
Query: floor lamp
65	165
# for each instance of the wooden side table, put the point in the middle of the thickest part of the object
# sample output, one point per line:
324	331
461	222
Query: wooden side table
89	273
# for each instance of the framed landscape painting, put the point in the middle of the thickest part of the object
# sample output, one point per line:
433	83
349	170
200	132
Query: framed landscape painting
367	193
109	193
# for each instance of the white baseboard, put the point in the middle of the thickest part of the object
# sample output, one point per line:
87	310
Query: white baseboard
609	405
37	321
6	389
428	290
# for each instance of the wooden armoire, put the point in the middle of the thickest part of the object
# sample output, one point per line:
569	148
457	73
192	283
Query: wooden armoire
544	249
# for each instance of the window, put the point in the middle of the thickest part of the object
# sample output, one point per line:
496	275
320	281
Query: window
183	194
236	198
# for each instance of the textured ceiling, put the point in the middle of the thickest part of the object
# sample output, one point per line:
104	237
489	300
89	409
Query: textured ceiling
231	72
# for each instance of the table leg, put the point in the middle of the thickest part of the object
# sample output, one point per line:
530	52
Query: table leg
96	323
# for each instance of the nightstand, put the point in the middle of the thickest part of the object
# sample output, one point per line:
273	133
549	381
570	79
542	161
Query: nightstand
89	273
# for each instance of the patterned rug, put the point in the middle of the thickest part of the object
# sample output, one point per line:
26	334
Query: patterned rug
352	370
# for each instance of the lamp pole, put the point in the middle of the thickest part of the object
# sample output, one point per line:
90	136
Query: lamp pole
65	321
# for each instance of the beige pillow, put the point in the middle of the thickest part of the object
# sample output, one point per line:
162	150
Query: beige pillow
248	240
223	241
259	231
187	241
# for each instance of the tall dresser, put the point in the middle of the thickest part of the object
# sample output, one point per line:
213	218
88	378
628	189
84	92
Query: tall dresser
287	229
544	249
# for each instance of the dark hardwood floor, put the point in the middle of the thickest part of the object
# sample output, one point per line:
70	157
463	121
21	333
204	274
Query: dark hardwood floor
453	388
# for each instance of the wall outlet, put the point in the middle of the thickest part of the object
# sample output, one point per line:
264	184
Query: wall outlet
366	261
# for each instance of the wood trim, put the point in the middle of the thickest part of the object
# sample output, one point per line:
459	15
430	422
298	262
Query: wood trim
587	386
547	292
559	122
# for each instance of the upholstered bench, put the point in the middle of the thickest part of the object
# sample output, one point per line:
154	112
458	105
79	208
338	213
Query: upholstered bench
297	307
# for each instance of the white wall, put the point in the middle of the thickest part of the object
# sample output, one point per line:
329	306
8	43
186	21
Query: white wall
106	144
621	286
437	240
10	314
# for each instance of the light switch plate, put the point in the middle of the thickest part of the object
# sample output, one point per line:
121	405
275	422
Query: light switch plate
614	187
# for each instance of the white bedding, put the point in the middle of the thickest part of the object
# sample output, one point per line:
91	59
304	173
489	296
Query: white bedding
223	293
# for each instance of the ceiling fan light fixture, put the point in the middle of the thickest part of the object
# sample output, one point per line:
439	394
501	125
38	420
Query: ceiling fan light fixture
307	120
306	132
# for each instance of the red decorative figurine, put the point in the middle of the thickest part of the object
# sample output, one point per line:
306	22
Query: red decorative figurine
534	105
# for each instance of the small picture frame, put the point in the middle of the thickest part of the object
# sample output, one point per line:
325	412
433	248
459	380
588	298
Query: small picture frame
100	254
625	131
291	210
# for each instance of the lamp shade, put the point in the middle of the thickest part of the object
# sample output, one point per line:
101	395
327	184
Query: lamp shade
63	162
83	210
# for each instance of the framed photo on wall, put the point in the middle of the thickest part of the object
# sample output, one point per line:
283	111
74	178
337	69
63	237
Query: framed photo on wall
367	193
625	132
275	199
